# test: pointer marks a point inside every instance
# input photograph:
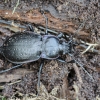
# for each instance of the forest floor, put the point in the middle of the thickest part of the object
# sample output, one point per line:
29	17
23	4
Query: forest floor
59	81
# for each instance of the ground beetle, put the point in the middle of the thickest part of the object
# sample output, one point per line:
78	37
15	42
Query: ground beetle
28	46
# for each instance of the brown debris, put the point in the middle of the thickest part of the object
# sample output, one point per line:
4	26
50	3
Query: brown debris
59	81
15	75
65	90
77	73
34	16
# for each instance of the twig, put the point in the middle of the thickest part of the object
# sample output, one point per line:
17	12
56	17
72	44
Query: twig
14	82
90	47
15	7
2	87
11	23
94	50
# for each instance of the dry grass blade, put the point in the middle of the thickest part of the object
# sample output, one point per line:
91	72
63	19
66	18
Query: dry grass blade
90	47
15	7
75	86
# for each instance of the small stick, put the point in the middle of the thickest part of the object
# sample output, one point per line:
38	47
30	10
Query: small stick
94	50
15	6
90	46
3	71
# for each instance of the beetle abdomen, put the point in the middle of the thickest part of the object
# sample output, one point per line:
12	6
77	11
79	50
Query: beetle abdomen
22	48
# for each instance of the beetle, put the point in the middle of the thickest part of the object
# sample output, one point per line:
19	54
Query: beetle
28	46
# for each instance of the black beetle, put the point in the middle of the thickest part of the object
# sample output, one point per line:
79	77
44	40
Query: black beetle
27	46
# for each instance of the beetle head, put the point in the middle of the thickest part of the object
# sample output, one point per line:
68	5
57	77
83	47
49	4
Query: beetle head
66	47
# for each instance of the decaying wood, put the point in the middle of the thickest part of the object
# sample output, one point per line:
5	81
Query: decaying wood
65	90
15	75
34	16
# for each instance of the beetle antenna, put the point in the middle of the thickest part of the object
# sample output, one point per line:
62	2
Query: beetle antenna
81	65
39	74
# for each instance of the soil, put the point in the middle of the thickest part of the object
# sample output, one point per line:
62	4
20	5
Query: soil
59	81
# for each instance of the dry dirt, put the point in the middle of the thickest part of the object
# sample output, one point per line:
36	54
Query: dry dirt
59	81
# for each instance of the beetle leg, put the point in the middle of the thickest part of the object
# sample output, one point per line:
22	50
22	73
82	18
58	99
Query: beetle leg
75	61
63	61
39	74
3	71
46	20
30	28
60	35
46	23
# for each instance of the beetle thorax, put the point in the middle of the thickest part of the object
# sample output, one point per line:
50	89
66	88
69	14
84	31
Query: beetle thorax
50	48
